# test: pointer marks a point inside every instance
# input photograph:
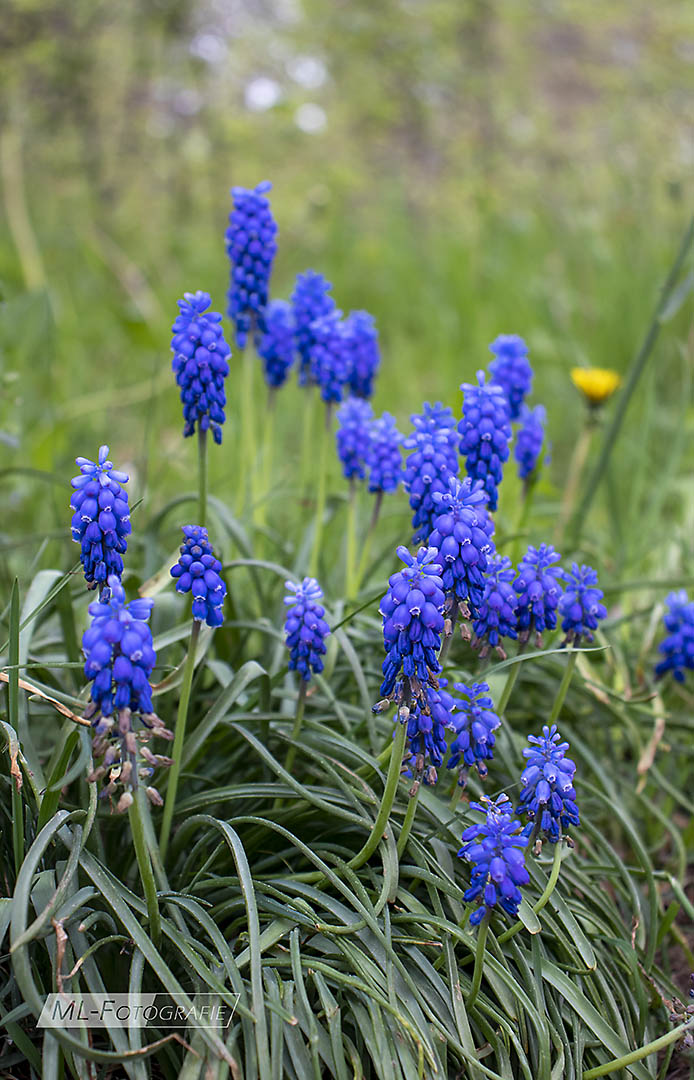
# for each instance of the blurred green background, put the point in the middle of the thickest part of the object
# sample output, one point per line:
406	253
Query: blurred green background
460	168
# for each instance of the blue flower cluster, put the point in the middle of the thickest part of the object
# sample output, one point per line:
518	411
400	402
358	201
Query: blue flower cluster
485	433
475	723
198	572
548	796
251	247
495	849
580	605
352	436
412	624
305	627
529	440
539	590
462	535
310	302
329	356
678	647
101	519
364	355
383	454
426	732
434	458
511	369
200	364
496	615
276	344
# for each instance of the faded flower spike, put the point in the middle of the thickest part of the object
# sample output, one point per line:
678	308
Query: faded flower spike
462	535
426	733
529	439
119	659
495	849
581	607
310	301
383	454
511	369
485	434
539	589
475	723
198	572
101	519
434	458
200	364
305	627
678	646
276	344
329	356
352	436
548	796
596	384
364	355
496	615
251	247
412	626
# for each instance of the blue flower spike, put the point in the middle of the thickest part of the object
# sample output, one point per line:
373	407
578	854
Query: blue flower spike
198	572
426	734
580	606
678	647
310	300
119	659
364	355
432	461
496	615
511	369
330	357
275	345
352	436
305	627
101	518
474	722
485	432
495	847
251	246
462	535
539	590
383	455
548	797
199	363
529	439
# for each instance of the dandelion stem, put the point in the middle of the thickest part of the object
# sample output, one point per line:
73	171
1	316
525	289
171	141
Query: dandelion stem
479	961
322	491
202	476
179	735
378	503
574	474
144	863
407	823
351	540
563	687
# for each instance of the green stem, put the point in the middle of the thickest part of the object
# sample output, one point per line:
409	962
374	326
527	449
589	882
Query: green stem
407	823
547	892
563	687
351	540
526	504
13	718
455	797
617	1064
321	451
298	723
479	962
394	768
247	452
574	474
268	455
307	440
179	735
378	503
202	476
145	865
508	688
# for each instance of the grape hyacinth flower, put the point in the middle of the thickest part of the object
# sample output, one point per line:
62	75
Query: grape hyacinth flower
251	247
495	849
275	345
485	434
119	659
305	627
310	301
678	647
511	369
198	572
434	458
539	590
496	614
426	733
475	723
329	356
462	535
101	519
529	440
580	605
383	454
352	436
412	626
364	355
548	796
199	363
438	419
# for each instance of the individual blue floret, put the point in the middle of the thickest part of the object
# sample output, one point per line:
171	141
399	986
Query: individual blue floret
496	615
329	356
539	590
101	519
251	247
310	301
363	351
495	849
580	606
198	572
352	436
529	439
475	723
511	369
383	454
485	433
548	797
678	646
200	364
276	345
305	627
462	535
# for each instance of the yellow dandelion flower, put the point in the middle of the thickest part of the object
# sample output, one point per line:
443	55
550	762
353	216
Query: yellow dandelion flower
596	383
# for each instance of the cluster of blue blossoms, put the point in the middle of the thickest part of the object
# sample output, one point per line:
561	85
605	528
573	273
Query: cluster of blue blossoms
362	339
426	731
580	605
495	847
529	440
678	646
251	247
352	436
539	590
383	455
305	627
462	535
511	369
101	519
485	433
276	344
548	797
330	356
495	617
310	300
433	460
475	723
197	571
200	364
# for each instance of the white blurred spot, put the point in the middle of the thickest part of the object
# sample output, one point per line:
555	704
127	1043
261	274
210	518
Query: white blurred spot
261	94
310	118
209	47
307	71
187	102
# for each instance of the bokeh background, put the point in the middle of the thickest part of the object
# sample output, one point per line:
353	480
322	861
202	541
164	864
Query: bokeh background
460	168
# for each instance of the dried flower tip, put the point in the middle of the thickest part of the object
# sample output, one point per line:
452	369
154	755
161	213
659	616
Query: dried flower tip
125	802
154	796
